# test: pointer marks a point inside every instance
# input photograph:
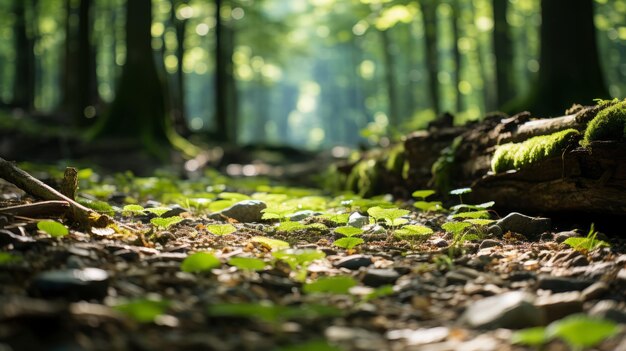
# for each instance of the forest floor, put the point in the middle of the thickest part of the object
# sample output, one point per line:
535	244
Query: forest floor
189	266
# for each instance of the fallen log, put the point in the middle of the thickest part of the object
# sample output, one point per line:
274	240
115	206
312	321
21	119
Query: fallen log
81	215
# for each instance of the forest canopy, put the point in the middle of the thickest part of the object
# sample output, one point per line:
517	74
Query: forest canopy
309	74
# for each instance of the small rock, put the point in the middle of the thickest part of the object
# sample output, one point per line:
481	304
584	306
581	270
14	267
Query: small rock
380	277
579	261
175	210
72	284
242	211
358	220
525	225
300	215
595	291
356	338
455	278
495	230
488	243
561	284
546	237
8	238
608	309
419	336
440	242
354	262
557	306
511	310
562	236
127	255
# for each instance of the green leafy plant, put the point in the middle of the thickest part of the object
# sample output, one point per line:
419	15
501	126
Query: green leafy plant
460	192
248	263
52	228
331	285
455	228
132	210
221	229
579	331
159	211
143	310
299	260
474	214
413	231
348	231
274	244
200	262
588	243
97	205
233	196
428	206
381	291
348	243
422	194
392	216
164	223
289	226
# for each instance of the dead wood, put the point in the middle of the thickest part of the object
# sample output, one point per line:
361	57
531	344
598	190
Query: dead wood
43	209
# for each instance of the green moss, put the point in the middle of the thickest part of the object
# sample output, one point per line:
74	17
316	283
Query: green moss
396	158
519	155
444	168
363	177
609	124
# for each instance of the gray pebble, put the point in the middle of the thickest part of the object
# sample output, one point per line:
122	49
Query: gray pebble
525	225
510	310
557	306
358	220
595	291
380	277
354	262
489	243
561	284
562	236
242	211
72	284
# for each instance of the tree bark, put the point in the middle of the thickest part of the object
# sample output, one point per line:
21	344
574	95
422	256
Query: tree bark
225	86
429	16
24	81
503	52
390	79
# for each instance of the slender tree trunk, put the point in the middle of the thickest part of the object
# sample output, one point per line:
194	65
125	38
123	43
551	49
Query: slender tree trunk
429	15
24	81
456	14
569	67
225	88
177	88
390	79
503	51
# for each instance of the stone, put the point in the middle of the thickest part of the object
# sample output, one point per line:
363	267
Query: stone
356	338
175	210
512	310
595	291
608	309
495	230
300	215
71	284
242	211
561	284
380	277
353	262
419	336
358	220
579	261
562	236
440	242
557	306
525	225
489	243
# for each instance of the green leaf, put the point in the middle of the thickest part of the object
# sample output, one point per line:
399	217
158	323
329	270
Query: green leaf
331	285
200	262
299	256
461	191
473	214
317	226
422	194
479	221
219	205
9	258
96	205
531	336
413	230
381	291
236	197
143	310
486	205
290	226
428	206
455	227
388	214
53	228
581	331
161	222
273	243
221	229
348	231
159	211
588	244
248	263
129	210
348	243
339	218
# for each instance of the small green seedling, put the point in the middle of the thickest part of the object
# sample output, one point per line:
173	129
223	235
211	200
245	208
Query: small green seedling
348	231
221	229
482	206
455	228
474	214
236	197
164	223
422	194
248	263
413	231
289	226
534	337
460	192
159	211
52	228
143	310
200	262
330	285
299	260
132	210
588	243
348	243
392	216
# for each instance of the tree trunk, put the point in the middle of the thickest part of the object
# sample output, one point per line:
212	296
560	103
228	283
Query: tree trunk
429	15
225	86
177	88
390	79
138	111
80	94
456	14
503	52
569	68
24	81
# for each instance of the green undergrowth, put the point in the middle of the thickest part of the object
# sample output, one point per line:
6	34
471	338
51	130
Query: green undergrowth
519	155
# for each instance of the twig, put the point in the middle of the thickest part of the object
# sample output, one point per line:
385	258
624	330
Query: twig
82	215
37	209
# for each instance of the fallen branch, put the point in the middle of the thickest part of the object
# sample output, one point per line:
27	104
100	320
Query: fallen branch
42	209
78	213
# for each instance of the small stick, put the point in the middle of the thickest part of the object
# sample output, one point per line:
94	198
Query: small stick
84	216
37	209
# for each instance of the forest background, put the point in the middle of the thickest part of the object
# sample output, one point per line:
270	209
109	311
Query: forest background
308	74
